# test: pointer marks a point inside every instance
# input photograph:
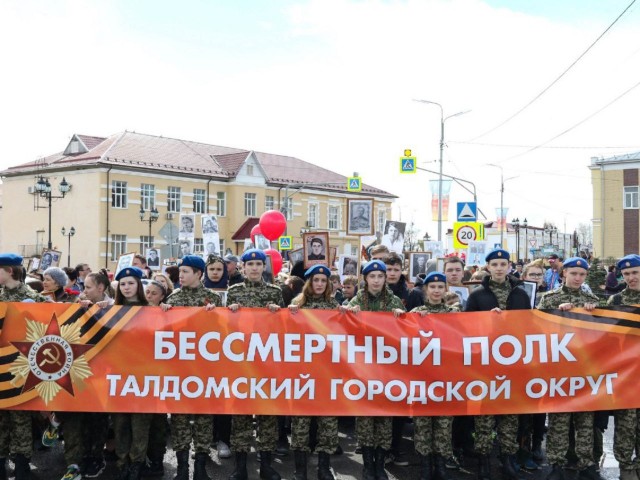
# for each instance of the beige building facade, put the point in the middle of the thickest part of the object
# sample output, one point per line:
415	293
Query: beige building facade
616	210
113	178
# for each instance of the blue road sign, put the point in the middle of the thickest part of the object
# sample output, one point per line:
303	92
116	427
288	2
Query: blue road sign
467	212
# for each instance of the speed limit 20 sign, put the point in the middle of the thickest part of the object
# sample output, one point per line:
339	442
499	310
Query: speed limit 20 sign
465	232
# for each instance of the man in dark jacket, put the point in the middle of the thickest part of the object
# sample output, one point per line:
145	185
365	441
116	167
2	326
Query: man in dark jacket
499	291
416	297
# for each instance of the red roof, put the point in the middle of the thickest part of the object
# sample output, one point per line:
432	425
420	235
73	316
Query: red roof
245	229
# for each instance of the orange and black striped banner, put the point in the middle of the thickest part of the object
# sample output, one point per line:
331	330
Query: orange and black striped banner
60	357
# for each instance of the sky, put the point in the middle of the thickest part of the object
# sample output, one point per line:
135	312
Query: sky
333	82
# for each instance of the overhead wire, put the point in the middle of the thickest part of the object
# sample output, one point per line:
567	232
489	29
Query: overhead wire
559	77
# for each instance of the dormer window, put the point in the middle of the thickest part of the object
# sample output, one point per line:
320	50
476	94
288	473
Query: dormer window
250	170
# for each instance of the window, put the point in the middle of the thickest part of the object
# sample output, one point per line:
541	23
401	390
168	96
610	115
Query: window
334	217
249	204
198	245
221	204
249	169
382	218
147	196
312	218
118	246
222	247
631	197
119	194
145	243
268	203
288	206
199	200
173	199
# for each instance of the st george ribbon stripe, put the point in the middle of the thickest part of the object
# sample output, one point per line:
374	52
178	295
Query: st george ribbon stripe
122	311
13	392
585	317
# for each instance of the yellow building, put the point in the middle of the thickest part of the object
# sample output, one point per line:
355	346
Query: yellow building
616	214
112	179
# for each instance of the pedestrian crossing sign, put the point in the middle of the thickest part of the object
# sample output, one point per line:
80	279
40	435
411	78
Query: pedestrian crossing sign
354	184
407	164
285	242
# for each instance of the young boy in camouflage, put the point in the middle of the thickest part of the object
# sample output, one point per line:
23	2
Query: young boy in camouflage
15	425
192	294
571	295
253	292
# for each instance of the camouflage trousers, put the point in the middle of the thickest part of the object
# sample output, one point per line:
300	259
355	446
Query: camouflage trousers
507	429
374	431
202	433
242	433
558	438
15	433
626	439
327	434
84	435
433	435
131	431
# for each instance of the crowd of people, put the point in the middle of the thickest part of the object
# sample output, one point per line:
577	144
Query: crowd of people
443	443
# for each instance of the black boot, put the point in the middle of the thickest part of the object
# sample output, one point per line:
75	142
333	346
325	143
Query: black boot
155	467
240	473
484	467
267	472
22	470
509	471
123	472
425	467
557	473
368	464
183	465
324	467
381	456
589	473
3	469
135	471
536	452
440	468
300	459
199	467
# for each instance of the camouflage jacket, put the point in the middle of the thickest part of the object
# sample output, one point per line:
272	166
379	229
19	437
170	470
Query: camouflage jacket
625	297
193	297
20	293
317	303
564	294
385	301
437	308
254	294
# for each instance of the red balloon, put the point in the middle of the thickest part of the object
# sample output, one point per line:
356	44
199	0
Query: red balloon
276	260
255	231
273	224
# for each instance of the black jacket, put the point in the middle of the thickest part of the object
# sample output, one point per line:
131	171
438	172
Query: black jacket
400	289
416	297
482	299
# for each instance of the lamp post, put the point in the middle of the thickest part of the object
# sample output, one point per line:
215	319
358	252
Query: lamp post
42	188
442	120
72	232
550	229
526	238
516	226
153	217
502	182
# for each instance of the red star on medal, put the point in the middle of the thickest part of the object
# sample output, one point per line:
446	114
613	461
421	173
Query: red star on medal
50	358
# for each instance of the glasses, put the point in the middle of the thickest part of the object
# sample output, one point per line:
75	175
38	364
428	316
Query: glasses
535	275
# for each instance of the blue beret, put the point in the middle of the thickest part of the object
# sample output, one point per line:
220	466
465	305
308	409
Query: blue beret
434	277
193	261
10	260
130	272
317	270
254	254
374	266
575	262
497	253
630	261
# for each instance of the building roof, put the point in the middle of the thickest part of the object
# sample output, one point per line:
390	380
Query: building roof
245	229
626	157
149	152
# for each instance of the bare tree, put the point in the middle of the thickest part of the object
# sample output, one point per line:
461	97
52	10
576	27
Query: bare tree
411	237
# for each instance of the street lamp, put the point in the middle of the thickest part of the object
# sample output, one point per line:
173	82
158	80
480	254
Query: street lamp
516	226
502	182
42	188
442	120
153	217
72	232
550	230
526	238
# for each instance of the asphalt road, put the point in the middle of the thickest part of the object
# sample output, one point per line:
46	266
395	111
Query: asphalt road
49	464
